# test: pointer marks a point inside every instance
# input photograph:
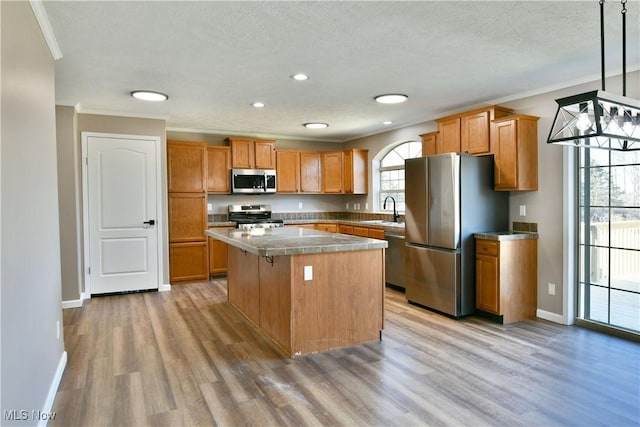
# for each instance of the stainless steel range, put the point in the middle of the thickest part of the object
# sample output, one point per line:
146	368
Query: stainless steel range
253	216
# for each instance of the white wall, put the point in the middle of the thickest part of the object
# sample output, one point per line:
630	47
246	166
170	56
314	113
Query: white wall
32	355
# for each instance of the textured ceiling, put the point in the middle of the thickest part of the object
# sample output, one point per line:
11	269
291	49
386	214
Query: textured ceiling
215	58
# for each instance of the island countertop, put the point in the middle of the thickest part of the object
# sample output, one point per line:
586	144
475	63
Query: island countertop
292	241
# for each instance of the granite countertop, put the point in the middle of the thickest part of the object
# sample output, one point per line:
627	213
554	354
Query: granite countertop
506	235
292	241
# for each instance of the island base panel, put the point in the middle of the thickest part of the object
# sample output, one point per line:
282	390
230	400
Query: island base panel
342	305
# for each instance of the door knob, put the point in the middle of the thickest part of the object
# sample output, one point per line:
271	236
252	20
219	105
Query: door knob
150	222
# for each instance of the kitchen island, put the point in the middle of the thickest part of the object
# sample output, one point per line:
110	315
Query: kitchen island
307	290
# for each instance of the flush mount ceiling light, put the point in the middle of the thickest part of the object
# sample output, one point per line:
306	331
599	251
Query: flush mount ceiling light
315	125
258	104
149	95
598	119
391	98
299	77
387	122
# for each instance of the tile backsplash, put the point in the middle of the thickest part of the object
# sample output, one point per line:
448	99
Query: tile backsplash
530	227
355	216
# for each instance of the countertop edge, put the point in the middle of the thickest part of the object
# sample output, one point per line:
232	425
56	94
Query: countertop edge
506	235
369	244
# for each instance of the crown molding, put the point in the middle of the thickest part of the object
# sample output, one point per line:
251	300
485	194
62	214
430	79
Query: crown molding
45	26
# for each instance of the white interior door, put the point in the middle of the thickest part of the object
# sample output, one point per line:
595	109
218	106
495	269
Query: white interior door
122	213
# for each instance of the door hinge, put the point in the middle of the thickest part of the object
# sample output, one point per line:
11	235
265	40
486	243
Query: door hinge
86	161
89	271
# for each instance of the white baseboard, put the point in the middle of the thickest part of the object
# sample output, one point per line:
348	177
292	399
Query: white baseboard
53	389
164	288
74	303
552	317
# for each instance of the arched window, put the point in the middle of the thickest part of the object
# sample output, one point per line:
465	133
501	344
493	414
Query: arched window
392	173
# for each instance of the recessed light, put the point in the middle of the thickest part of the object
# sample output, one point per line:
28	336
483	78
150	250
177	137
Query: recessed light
149	95
299	77
258	104
315	125
387	122
391	98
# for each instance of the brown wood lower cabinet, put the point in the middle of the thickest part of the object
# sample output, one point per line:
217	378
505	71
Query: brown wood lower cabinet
507	278
217	255
188	262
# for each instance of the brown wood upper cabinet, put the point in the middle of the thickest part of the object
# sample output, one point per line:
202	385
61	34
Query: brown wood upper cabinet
429	141
469	132
186	167
310	172
356	171
448	140
218	167
333	172
516	153
249	153
288	171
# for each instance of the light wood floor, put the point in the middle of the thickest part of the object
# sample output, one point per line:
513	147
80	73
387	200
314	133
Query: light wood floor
185	357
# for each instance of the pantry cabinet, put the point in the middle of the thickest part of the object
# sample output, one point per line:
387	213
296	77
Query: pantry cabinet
186	167
356	171
250	153
333	172
506	278
516	153
218	169
187	208
188	262
187	217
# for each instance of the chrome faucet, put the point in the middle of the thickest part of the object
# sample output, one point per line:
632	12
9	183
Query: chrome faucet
395	212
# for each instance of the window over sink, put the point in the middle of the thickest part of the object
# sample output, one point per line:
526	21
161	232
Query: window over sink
392	173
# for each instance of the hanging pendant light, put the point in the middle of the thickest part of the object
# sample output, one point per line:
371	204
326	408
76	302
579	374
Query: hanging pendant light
599	119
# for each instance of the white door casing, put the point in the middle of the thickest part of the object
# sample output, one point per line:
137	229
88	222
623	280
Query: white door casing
122	212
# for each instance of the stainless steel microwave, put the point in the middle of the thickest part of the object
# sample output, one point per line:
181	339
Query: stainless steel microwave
253	181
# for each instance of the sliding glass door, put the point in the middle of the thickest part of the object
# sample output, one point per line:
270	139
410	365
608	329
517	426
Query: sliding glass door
609	238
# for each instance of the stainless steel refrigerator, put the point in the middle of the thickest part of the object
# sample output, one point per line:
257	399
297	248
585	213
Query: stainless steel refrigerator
448	197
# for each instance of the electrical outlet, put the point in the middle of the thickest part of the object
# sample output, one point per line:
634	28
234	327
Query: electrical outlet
299	205
308	272
552	288
209	207
523	210
347	205
366	206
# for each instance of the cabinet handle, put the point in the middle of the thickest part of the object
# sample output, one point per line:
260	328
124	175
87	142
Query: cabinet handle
150	222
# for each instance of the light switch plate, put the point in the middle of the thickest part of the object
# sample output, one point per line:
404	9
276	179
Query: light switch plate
523	210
